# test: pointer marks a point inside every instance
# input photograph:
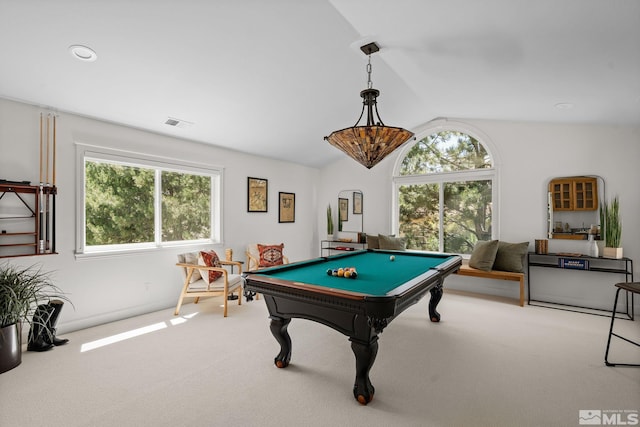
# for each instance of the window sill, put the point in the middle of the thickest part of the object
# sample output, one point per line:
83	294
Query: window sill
117	253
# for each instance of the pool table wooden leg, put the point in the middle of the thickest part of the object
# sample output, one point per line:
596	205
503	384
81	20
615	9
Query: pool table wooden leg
365	354
436	296
279	331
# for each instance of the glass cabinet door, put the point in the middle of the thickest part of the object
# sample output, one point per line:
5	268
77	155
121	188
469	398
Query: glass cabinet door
561	195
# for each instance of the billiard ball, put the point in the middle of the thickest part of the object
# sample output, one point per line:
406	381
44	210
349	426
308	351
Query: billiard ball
392	258
354	274
330	272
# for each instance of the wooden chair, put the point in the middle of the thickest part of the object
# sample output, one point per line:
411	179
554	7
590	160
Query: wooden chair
195	287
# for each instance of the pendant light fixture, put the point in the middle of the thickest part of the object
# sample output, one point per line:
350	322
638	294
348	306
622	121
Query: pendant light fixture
370	143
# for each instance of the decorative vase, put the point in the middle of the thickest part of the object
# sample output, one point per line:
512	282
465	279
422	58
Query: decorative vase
615	253
10	347
593	247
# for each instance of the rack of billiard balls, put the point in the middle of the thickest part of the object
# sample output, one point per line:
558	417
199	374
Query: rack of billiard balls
346	272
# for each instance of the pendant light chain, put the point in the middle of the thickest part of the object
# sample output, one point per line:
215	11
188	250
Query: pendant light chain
369	84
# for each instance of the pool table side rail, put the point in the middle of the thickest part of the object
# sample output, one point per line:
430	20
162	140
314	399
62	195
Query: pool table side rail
265	281
413	293
282	301
450	266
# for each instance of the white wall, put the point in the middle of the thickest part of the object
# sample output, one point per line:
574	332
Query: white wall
105	289
529	155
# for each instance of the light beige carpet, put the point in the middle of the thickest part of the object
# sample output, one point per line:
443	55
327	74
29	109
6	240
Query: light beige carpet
488	363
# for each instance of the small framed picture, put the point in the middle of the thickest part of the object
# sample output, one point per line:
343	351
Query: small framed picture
257	192
357	203
343	209
287	207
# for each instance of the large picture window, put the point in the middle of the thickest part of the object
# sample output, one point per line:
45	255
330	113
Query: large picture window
444	193
130	204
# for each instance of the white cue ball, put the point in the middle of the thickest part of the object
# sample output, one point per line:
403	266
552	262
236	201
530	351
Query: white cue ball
392	258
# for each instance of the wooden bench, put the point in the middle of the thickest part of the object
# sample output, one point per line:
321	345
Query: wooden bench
465	270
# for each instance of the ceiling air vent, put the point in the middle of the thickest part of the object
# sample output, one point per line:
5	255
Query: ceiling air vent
179	123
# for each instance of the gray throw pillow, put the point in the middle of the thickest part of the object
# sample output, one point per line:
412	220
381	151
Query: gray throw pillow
393	243
372	242
510	256
484	254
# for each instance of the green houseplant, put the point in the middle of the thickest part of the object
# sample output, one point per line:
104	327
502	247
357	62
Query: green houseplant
22	289
611	228
329	223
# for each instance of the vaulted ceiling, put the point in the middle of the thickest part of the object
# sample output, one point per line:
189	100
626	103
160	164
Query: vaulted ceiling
274	77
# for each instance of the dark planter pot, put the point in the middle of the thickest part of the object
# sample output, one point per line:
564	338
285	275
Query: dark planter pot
10	347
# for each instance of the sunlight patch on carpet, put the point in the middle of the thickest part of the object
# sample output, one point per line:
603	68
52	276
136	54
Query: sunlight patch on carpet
134	333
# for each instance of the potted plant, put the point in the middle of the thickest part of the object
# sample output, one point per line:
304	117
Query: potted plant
22	290
611	228
329	223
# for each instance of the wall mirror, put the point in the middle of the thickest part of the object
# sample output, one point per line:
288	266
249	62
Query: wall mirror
573	207
350	211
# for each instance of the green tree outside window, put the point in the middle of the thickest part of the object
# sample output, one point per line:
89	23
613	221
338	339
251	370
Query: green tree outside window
120	204
448	207
186	206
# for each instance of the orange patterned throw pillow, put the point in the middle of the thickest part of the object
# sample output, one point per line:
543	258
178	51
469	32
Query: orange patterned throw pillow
270	255
210	259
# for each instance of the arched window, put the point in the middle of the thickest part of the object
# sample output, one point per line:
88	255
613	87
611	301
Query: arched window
444	193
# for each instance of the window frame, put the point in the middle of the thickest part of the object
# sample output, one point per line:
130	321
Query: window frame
442	178
158	164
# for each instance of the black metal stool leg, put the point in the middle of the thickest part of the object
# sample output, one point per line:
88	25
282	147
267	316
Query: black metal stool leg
611	333
613	318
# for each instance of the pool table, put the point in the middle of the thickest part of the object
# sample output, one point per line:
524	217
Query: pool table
359	308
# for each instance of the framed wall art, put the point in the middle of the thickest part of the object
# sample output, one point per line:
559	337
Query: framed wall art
343	209
257	192
357	203
287	207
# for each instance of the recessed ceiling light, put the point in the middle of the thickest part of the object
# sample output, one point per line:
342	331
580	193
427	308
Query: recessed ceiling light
564	106
83	53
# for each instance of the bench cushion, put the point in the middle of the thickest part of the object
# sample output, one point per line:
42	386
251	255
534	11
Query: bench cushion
234	281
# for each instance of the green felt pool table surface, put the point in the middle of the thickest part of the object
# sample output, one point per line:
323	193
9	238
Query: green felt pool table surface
377	274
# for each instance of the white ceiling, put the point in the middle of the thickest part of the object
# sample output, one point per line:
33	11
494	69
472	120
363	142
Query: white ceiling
274	77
